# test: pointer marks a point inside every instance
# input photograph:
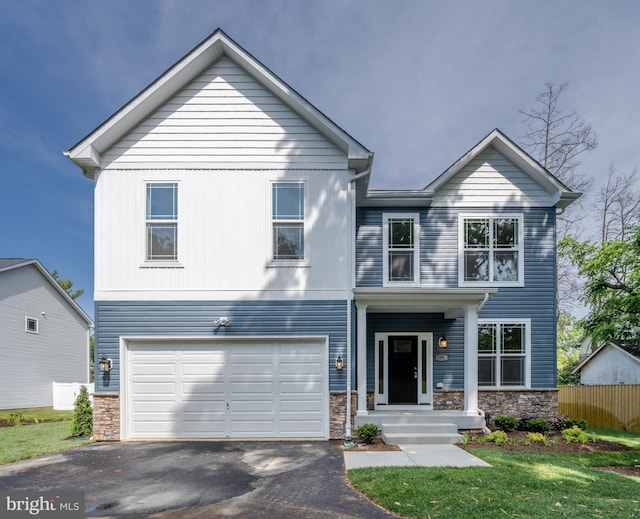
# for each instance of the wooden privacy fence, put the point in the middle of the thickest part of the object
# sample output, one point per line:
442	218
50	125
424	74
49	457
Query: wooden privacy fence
611	407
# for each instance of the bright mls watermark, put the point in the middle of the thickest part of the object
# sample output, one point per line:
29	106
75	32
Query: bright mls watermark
54	504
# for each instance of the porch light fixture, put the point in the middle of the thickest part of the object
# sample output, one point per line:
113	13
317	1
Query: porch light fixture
222	321
105	364
442	342
339	363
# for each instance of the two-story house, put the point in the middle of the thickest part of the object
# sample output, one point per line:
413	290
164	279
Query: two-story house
249	285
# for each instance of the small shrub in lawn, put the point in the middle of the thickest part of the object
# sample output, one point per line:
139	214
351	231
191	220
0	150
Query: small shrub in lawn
367	432
82	423
497	437
578	422
539	425
575	435
536	437
505	423
15	418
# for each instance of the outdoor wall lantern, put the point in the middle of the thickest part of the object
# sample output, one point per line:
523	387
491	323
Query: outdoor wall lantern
222	321
339	363
105	364
442	342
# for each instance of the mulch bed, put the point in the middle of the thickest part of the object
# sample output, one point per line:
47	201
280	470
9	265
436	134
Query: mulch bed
560	445
556	444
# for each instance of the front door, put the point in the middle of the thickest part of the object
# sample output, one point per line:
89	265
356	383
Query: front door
403	370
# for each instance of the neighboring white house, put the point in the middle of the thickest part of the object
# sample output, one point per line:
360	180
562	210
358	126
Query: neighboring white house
44	335
610	364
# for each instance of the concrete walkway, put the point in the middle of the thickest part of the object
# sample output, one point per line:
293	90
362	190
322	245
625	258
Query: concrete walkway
413	455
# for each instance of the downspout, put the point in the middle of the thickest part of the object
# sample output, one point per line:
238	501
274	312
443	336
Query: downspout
352	253
483	302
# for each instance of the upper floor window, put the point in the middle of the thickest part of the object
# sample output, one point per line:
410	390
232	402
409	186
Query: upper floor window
287	216
401	263
503	353
491	250
162	221
30	325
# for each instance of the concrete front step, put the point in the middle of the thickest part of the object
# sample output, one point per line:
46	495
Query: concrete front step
420	438
424	428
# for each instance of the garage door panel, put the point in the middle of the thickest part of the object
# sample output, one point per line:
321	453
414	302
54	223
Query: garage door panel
235	389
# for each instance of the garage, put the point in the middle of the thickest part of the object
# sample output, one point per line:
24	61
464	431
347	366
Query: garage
232	389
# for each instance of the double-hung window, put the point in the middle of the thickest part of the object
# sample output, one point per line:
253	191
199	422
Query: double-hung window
401	262
287	215
491	250
503	353
162	221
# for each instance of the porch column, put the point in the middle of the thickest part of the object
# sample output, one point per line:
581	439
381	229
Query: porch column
362	358
470	360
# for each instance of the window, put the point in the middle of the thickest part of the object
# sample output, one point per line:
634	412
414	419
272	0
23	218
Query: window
491	250
162	222
401	256
503	354
30	325
287	208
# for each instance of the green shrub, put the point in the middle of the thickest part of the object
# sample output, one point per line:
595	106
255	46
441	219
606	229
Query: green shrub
497	437
367	432
82	423
577	422
505	423
539	425
536	437
575	435
15	418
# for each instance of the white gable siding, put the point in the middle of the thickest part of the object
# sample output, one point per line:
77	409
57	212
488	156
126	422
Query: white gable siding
224	119
29	362
491	180
224	237
611	366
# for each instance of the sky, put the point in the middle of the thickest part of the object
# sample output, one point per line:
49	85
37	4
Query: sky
418	82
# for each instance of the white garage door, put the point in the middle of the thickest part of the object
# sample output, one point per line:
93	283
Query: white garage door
243	389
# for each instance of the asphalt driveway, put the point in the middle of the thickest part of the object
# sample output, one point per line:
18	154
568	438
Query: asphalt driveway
199	480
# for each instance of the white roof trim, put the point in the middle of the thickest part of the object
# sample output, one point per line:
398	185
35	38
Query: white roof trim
54	284
87	152
586	361
497	139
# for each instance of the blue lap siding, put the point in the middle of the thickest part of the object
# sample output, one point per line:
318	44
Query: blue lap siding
196	319
536	300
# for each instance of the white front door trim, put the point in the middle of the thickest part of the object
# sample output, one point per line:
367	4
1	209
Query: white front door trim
425	370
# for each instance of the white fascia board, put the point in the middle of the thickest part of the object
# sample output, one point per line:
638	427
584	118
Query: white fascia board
420	198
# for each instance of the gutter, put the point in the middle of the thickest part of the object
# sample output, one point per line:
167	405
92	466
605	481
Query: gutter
483	302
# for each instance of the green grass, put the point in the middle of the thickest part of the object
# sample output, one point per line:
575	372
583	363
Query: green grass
519	484
44	437
42	414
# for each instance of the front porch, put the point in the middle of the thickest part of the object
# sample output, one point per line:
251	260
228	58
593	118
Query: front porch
413	427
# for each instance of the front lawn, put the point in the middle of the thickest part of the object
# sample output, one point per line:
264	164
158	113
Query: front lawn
534	485
45	436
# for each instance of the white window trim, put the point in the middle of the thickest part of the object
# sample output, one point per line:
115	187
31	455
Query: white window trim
26	325
461	281
288	263
161	263
385	250
527	353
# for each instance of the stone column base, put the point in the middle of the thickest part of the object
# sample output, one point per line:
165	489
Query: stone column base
106	417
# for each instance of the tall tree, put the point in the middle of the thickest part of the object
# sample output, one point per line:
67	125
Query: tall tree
618	205
67	285
611	271
558	140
